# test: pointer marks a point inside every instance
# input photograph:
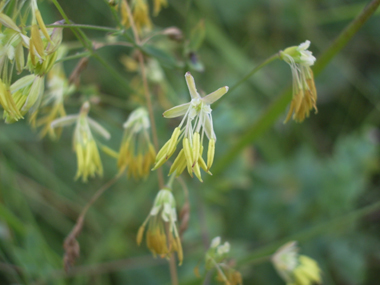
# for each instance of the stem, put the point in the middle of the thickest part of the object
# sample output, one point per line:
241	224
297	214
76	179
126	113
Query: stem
75	56
257	68
311	232
172	262
63	14
81	26
345	36
173	269
271	114
171	179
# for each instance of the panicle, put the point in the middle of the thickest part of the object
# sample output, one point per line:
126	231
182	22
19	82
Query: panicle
196	123
216	257
295	269
304	92
136	151
162	236
84	144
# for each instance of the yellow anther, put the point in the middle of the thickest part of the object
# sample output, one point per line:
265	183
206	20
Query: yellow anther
210	153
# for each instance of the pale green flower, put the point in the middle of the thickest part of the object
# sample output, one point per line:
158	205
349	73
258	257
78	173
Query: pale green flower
295	269
162	236
300	59
196	123
84	144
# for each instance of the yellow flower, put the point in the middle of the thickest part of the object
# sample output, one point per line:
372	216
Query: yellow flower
27	95
43	44
158	4
304	91
197	122
140	14
136	150
162	235
295	269
52	107
88	159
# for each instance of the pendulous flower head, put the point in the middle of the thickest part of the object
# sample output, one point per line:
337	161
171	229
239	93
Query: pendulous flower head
196	123
52	107
136	151
162	236
304	92
295	269
84	144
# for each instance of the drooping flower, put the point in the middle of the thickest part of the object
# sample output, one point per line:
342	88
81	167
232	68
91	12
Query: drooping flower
140	14
158	4
295	269
216	257
27	95
197	122
43	45
11	53
304	92
162	236
136	150
84	144
52	108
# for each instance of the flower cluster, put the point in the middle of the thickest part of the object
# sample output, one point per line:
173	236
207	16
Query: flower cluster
295	269
84	144
136	151
25	95
216	258
162	236
140	13
304	92
196	122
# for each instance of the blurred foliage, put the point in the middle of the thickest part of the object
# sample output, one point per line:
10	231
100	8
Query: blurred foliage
292	178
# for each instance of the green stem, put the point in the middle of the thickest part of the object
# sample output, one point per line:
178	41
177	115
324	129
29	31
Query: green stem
267	119
345	36
171	180
307	234
80	26
75	56
257	68
63	14
115	74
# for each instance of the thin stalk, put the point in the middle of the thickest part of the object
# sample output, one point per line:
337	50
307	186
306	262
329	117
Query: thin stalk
172	262
63	14
253	71
307	234
75	56
70	244
267	119
81	26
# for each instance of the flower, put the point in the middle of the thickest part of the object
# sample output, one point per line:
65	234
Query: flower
196	122
158	4
58	87
304	92
11	51
140	14
162	236
216	257
27	95
43	44
136	150
88	158
293	268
